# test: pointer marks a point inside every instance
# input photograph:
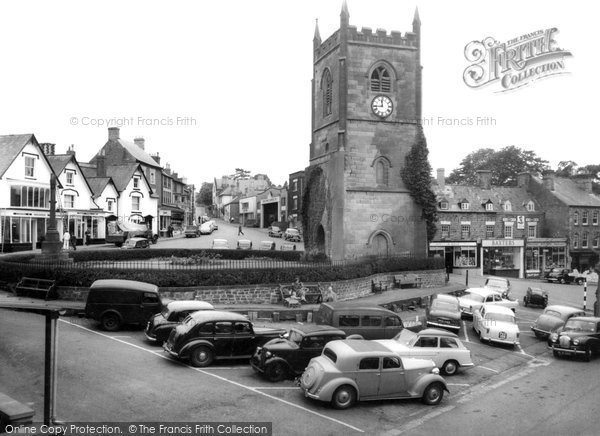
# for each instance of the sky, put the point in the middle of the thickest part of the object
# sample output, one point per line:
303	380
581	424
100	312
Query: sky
214	86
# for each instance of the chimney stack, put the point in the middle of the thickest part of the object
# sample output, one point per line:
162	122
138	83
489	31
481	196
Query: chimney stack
48	148
71	150
584	182
156	157
485	179
101	166
441	178
113	133
548	180
523	180
140	142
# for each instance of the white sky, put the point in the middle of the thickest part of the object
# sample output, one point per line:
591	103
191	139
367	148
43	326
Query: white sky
242	70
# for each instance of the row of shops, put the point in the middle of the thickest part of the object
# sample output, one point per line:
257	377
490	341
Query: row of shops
521	258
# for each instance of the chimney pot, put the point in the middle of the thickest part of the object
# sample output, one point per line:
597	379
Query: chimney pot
113	133
48	148
140	142
441	178
548	180
71	150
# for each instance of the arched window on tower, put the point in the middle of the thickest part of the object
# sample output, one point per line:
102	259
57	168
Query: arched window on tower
327	88
382	171
381	80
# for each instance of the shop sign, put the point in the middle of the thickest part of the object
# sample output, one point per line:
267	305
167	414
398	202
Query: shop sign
520	222
164	212
502	243
509	220
532	220
452	244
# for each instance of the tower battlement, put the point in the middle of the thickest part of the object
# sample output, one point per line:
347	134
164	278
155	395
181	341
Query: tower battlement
381	36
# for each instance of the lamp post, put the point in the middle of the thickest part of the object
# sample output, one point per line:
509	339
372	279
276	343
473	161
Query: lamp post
51	246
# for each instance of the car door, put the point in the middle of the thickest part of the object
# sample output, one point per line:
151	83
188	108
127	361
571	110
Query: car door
426	347
373	324
393	326
367	377
392	381
244	342
223	338
311	346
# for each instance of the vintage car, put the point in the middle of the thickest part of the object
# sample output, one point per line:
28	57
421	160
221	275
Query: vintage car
355	318
287	247
192	232
210	334
535	297
220	244
553	318
443	311
474	298
560	275
292	235
350	371
214	225
443	347
244	244
267	245
136	243
498	284
275	232
495	323
288	356
579	336
206	228
160	325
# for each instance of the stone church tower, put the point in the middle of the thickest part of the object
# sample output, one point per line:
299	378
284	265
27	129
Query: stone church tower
366	103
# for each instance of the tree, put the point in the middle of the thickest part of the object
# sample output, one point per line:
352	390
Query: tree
570	169
566	168
505	165
204	197
241	174
416	175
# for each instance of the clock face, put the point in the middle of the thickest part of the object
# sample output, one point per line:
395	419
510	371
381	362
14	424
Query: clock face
382	106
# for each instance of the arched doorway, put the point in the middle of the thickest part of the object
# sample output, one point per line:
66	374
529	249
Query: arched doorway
379	244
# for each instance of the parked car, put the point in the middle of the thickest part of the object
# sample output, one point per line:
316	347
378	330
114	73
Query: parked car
220	244
288	247
288	356
206	228
160	325
443	311
275	232
553	318
244	244
214	225
267	245
535	297
496	323
292	235
136	243
349	371
210	334
588	275
498	284
118	302
474	298
192	232
371	322
560	275
443	347
580	336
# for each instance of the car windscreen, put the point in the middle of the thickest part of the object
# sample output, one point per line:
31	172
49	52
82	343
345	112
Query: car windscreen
554	313
447	306
500	317
295	336
580	326
292	231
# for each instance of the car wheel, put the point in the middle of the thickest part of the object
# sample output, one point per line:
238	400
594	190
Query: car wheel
556	353
433	394
201	356
450	367
588	354
343	397
276	372
110	322
524	301
562	281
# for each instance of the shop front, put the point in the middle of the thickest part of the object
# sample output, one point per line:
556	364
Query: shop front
88	227
543	254
459	254
503	257
171	219
22	230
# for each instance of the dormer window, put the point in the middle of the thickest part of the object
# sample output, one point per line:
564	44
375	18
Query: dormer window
464	205
136	183
530	206
69	175
507	206
489	206
444	205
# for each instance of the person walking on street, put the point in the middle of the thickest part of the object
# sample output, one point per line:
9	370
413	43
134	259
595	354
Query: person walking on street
74	242
88	234
240	230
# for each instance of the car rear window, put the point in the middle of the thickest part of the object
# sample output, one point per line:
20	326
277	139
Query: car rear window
448	343
349	320
327	352
371	321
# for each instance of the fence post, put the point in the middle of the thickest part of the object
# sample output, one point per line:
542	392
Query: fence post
467	277
584	293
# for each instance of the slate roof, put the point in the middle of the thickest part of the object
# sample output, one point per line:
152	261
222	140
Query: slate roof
477	197
121	174
98	184
59	162
138	153
567	191
88	170
10	147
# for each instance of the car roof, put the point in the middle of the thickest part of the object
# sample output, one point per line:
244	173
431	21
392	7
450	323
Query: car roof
189	305
124	284
220	240
446	297
494	308
348	347
437	332
586	318
241	240
563	309
292	229
217	315
482	291
356	305
309	329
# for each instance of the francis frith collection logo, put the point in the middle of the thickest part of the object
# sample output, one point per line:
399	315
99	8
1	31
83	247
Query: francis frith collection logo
515	63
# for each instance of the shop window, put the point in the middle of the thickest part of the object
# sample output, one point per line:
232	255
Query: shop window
465	231
489	231
508	230
29	166
465	256
501	259
445	230
575	240
576	218
381	80
444	205
584	240
595	218
15	196
584	218
69	201
531	232
596	240
327	88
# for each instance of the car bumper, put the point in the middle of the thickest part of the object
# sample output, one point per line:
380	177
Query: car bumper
442	325
570	351
255	364
307	394
168	349
503	341
151	337
540	332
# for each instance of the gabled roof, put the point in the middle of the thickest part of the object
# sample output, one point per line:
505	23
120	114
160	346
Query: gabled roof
98	185
58	162
122	174
139	154
478	197
11	146
567	191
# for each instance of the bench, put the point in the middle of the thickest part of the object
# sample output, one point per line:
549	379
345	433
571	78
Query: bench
13	412
407	281
312	295
36	288
377	288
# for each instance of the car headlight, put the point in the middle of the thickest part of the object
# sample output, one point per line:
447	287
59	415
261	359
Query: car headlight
575	342
435	370
268	354
553	337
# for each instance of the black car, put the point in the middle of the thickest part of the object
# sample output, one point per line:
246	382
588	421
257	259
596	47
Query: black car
208	335
286	357
160	325
535	297
560	275
579	336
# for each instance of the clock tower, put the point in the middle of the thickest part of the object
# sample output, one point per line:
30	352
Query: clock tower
366	108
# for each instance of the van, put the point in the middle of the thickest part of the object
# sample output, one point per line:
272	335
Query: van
117	302
371	322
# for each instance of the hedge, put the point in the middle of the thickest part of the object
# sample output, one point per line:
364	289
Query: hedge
119	255
72	275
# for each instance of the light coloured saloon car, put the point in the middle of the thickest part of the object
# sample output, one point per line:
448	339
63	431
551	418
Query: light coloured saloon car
495	323
443	311
474	298
443	347
358	370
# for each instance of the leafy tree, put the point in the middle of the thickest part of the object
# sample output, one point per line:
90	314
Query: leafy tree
505	165
416	176
241	174
566	168
204	196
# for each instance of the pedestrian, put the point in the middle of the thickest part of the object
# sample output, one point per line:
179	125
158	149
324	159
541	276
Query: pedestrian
88	234
240	232
170	231
74	242
66	240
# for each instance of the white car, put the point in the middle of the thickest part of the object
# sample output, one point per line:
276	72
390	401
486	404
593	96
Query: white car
206	228
496	324
498	284
220	244
474	298
214	225
443	347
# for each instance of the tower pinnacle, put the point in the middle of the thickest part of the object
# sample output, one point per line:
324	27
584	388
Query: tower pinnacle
317	36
